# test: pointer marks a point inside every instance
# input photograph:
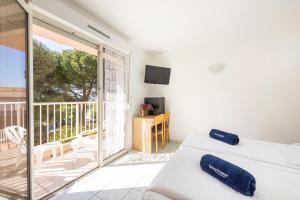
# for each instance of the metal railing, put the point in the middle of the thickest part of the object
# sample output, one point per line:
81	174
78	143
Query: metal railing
63	121
53	121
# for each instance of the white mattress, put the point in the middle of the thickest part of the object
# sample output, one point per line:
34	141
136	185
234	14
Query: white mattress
274	153
182	178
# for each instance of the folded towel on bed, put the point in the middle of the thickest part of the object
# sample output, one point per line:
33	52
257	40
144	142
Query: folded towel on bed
229	138
230	174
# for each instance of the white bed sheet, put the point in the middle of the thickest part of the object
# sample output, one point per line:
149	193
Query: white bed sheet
150	195
274	153
182	178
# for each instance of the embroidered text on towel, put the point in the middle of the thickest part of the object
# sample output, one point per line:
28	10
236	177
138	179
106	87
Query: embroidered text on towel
219	135
217	171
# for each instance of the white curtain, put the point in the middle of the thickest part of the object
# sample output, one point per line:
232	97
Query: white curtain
114	101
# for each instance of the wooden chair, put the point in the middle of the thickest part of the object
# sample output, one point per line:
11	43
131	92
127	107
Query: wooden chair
157	121
167	126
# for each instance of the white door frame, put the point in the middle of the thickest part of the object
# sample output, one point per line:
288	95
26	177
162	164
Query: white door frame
27	8
100	105
105	161
102	161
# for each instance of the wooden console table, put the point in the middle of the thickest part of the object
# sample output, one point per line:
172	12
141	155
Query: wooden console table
142	136
142	133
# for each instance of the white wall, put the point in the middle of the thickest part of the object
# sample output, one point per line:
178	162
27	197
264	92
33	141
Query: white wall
137	89
57	13
64	14
256	96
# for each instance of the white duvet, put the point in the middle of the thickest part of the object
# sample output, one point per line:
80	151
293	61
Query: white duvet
182	178
274	153
151	195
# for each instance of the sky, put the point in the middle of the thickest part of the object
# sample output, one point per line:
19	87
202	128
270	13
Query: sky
13	63
52	45
12	67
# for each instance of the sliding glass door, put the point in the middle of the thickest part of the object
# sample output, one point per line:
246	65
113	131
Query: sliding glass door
67	121
66	111
14	135
65	108
114	101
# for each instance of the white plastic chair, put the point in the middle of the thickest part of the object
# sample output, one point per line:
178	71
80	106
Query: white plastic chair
80	141
16	135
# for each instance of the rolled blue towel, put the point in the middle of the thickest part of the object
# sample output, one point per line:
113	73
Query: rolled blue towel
230	174
229	138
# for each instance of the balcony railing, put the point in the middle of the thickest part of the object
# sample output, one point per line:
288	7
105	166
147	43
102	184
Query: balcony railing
53	121
11	113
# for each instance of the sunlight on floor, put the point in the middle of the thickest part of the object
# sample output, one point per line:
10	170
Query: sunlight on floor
125	178
55	173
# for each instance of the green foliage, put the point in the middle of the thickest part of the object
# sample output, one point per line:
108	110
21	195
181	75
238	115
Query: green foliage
66	135
70	75
77	74
64	122
66	76
44	64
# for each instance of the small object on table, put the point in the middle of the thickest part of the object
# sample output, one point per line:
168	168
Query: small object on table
144	109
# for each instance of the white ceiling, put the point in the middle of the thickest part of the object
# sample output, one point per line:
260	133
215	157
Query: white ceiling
165	25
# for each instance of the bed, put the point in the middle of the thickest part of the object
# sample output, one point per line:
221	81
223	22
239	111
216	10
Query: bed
269	152
182	178
152	195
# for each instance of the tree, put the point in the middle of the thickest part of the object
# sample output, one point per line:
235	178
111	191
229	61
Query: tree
76	74
44	64
70	75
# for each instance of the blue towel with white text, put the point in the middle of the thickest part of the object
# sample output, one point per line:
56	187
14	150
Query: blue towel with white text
228	138
230	174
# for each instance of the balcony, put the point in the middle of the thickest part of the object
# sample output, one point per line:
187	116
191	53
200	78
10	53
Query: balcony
63	68
54	123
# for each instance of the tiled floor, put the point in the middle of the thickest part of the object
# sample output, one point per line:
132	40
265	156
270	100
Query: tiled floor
126	178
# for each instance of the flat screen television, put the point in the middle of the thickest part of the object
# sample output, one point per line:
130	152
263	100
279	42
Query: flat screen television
157	75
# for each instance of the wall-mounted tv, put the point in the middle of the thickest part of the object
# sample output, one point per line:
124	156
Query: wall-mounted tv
157	75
